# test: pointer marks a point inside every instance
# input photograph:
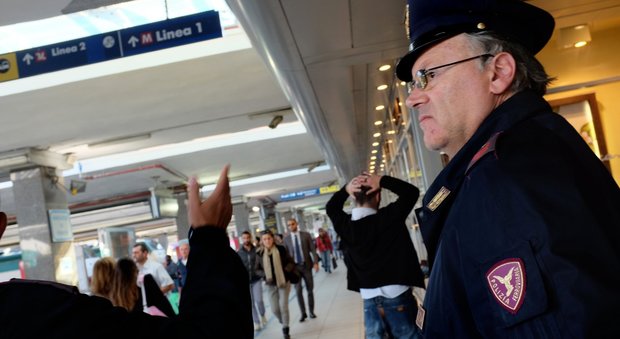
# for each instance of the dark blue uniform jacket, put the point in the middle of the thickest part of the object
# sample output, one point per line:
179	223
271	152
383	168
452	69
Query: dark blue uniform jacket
524	193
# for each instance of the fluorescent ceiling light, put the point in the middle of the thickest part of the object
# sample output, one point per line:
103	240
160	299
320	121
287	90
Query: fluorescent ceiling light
14	161
6	184
170	150
268	177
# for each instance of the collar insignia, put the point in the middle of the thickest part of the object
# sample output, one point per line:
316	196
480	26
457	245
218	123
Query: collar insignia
438	198
506	280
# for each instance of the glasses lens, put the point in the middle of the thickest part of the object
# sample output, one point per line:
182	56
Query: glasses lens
421	80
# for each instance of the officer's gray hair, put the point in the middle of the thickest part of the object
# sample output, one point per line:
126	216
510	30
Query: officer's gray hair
530	73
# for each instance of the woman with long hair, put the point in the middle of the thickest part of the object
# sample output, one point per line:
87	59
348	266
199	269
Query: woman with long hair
280	271
125	291
103	275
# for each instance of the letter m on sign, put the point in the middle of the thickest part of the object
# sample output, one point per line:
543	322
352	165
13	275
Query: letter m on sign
146	38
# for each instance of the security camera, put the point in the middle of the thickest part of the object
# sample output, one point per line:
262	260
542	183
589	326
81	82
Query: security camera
276	121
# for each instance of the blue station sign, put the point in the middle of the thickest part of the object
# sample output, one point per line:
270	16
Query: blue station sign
112	45
299	195
309	192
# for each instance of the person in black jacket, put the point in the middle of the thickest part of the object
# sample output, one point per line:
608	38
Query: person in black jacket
215	301
251	261
382	263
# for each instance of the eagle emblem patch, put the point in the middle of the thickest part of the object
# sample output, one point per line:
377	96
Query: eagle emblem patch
506	280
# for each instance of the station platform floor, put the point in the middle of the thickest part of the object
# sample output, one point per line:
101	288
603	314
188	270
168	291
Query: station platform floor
339	311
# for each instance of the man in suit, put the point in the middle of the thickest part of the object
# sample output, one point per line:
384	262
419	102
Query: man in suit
300	246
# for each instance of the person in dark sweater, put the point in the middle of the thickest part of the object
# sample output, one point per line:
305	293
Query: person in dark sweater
382	263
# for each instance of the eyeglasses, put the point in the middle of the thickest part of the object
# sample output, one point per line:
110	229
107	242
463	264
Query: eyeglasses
420	79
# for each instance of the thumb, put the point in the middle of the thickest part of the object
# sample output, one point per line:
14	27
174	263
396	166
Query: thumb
193	196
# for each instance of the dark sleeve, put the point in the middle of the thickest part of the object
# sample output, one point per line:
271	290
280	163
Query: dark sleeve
407	195
154	297
336	214
216	297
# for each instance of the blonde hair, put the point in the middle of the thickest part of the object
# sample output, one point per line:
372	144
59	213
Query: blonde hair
125	287
103	274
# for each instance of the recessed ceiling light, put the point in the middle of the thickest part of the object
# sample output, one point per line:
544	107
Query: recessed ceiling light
580	44
389	141
372	163
382	87
374	151
376	135
375	144
372	167
384	68
391	132
378	122
373	157
403	83
380	107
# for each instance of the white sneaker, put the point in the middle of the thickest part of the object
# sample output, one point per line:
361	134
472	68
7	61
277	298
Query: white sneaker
263	320
257	327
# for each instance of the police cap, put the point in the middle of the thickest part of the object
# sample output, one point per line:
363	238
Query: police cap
432	21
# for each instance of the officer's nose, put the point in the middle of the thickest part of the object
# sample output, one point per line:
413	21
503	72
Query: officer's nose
416	97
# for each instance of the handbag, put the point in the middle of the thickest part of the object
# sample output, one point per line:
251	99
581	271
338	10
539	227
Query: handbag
334	264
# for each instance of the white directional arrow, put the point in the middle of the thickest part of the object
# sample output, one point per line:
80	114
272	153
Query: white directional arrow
28	58
133	41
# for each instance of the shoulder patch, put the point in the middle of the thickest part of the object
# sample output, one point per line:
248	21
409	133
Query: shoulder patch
506	280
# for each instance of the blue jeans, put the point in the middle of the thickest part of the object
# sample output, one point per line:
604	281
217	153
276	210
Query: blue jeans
326	259
398	316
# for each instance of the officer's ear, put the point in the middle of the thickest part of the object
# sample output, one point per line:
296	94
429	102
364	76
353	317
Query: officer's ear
3	223
503	69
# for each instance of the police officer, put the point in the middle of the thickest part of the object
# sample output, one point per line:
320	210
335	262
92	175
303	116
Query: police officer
522	225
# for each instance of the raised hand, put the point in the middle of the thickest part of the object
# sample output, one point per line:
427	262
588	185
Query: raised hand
355	185
216	210
373	181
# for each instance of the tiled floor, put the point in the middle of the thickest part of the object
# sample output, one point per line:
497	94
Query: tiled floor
338	310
